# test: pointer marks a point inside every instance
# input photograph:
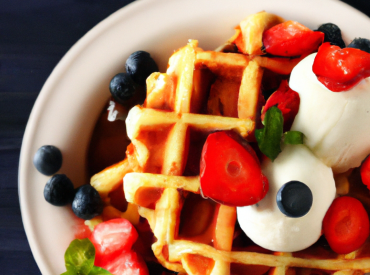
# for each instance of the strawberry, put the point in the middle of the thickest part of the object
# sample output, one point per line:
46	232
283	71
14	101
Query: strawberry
127	263
291	39
287	101
230	172
365	172
112	237
346	225
340	69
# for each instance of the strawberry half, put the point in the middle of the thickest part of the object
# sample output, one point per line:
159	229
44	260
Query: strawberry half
230	172
287	101
127	263
340	69
291	39
112	237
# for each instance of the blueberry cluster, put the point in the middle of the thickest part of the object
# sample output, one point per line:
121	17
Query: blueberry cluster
362	44
139	66
59	190
333	35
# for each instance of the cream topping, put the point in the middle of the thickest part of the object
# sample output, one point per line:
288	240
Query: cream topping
335	124
266	225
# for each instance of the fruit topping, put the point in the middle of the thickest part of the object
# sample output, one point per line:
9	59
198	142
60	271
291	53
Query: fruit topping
287	101
128	263
362	44
59	190
294	199
111	238
332	34
365	172
48	160
230	172
291	39
340	69
122	87
79	259
140	65
87	203
346	225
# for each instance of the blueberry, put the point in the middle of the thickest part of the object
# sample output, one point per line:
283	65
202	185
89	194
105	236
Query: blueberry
48	160
59	190
332	34
122	87
362	44
140	65
87	203
294	199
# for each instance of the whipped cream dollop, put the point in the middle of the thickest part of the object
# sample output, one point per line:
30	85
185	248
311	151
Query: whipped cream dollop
335	124
266	225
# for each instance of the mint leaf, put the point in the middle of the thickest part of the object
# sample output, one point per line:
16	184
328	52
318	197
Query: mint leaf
293	137
269	137
79	257
99	271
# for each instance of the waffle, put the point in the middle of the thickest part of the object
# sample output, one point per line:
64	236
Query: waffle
202	92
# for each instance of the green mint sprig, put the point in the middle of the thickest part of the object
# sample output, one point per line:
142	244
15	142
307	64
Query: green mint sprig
79	259
293	137
270	137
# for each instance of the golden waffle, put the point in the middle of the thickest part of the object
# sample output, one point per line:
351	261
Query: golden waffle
183	105
173	125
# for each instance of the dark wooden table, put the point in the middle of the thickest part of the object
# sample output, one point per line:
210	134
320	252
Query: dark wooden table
34	36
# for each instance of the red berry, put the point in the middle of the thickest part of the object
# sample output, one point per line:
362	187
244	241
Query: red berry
340	69
112	237
230	172
365	172
81	231
127	263
287	101
291	39
346	225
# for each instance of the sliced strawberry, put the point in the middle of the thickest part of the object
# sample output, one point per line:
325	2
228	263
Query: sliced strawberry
346	225
340	69
291	39
112	237
81	230
127	263
230	172
287	101
365	172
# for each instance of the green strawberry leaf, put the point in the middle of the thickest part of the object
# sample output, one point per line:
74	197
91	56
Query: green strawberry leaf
269	137
293	137
79	259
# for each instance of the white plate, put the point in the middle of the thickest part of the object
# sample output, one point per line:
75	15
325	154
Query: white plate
76	91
